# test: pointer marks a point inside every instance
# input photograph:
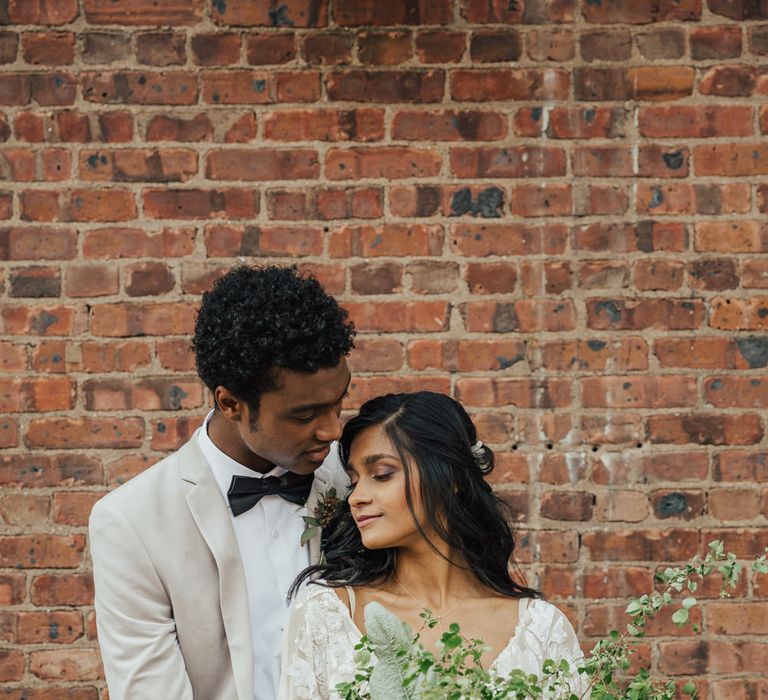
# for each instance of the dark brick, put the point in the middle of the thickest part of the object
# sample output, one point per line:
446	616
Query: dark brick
328	48
495	47
105	47
35	282
161	49
216	49
606	45
9	46
270	49
661	43
716	42
384	48
376	278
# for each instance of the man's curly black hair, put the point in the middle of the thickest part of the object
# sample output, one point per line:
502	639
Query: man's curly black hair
256	320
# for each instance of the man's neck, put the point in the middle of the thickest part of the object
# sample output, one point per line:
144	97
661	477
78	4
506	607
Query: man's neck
225	436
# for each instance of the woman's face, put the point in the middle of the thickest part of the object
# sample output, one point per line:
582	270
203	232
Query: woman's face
377	499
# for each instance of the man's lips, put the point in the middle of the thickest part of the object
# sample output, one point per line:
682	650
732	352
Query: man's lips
320	454
363	520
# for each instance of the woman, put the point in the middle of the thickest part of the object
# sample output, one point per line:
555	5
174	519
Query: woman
420	528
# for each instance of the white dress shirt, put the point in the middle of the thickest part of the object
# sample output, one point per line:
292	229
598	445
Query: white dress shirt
268	537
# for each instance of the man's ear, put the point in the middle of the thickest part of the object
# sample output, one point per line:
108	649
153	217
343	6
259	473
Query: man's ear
230	406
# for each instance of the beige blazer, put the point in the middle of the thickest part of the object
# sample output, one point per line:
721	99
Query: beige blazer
171	603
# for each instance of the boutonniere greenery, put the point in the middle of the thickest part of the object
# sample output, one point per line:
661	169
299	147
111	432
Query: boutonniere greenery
322	515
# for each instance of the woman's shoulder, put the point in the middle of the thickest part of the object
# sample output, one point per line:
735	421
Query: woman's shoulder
545	620
317	596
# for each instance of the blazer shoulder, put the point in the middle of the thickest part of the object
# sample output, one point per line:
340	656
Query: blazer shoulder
161	478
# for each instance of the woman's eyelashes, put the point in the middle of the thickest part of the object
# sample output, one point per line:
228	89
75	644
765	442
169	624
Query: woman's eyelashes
386	476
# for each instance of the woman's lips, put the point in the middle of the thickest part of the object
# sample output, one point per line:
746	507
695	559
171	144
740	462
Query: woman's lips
366	519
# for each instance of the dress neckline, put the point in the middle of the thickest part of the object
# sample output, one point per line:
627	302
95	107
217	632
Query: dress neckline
524	607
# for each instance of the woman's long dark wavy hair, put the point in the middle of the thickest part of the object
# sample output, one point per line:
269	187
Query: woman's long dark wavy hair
432	433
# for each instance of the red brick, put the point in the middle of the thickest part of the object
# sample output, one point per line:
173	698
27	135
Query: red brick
84	433
731	237
440	46
140	87
77	664
739	314
144	12
734	392
49	48
734	159
755	274
632	467
542	200
176	355
148	394
297	86
127	319
62	589
738	9
723	41
734	504
151	278
642	11
737	465
385	86
663	161
388	239
105	47
9	45
228	241
705	429
169	128
488	392
522	316
385	162
42	551
387	48
376	278
666	42
138	165
732	198
585	123
36	394
491	278
35	282
60	627
503	84
270	49
451	125
25	510
547	546
91	280
606	45
647	236
328	48
709	352
515	161
428	200
695	121
636	314
9	433
263	164
121	470
595	355
649	545
216	48
201	204
355	13
364	388
111	243
729	81
432	277
296	13
325	125
13	358
243	130
42	320
11	665
325	203
171	433
550	45
634	391
658	275
538	278
43	470
37	243
621	506
388	317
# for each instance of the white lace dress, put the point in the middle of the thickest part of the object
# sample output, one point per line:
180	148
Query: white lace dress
320	636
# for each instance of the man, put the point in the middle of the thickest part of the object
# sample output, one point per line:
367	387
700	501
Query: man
192	558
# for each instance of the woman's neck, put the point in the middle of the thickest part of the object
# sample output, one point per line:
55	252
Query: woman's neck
435	581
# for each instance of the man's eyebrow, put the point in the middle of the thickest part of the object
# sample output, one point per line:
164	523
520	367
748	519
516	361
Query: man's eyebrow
313	406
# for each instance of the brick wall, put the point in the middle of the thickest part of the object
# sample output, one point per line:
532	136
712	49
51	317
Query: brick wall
555	210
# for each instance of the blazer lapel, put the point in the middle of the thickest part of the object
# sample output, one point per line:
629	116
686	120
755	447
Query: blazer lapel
213	520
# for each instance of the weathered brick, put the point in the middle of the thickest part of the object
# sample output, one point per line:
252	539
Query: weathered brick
325	125
48	48
201	204
490	85
605	45
228	241
354	13
215	48
388	48
270	49
667	42
140	87
161	48
328	48
385	86
452	125
729	81
440	46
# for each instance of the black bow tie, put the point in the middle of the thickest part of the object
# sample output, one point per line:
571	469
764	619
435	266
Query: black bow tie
246	491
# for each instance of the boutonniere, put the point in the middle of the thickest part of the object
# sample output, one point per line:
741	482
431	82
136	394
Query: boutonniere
321	517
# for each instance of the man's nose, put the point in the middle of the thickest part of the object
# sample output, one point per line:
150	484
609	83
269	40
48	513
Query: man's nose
329	429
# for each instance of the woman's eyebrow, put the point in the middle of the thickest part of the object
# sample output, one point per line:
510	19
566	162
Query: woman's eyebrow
369	460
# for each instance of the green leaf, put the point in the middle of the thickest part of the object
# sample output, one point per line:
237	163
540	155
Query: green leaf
689	688
689	602
308	534
680	617
309	520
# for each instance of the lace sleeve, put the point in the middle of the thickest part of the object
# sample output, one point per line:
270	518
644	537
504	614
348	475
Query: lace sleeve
301	676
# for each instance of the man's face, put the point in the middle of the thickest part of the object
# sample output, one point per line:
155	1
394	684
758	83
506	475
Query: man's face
296	422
